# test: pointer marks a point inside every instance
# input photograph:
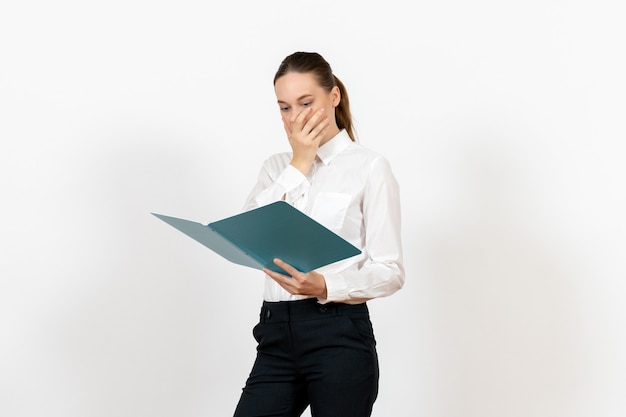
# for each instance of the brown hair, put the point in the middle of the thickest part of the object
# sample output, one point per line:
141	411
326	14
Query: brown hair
314	63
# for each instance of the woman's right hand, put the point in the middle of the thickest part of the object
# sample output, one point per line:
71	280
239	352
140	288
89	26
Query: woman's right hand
305	132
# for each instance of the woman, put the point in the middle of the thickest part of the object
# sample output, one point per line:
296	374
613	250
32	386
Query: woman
315	341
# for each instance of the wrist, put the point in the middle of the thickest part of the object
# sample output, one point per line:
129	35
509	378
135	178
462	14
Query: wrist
324	290
303	166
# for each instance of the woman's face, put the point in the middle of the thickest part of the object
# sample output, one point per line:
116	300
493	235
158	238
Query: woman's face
298	91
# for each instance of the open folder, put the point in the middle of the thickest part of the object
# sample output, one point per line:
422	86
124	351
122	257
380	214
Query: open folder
278	230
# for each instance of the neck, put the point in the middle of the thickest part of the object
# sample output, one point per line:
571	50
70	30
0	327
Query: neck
333	131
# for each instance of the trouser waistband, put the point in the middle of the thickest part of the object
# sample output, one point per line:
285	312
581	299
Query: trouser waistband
307	309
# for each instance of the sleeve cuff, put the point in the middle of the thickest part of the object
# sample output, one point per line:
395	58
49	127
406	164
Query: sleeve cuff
290	178
336	289
289	183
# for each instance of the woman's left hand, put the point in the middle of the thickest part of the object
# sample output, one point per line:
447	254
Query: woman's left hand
299	283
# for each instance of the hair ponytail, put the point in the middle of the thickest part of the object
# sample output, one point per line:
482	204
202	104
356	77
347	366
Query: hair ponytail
342	111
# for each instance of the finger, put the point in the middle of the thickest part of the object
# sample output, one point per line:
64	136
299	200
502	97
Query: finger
282	280
319	129
277	276
300	119
286	267
314	121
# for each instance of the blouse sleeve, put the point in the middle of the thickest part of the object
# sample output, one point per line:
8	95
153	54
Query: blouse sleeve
289	182
382	272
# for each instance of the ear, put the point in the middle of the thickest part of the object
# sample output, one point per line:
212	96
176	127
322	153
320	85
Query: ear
335	96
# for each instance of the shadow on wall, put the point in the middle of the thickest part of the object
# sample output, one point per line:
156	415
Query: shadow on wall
505	303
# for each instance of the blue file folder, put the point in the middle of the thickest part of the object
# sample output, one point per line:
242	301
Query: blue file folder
278	230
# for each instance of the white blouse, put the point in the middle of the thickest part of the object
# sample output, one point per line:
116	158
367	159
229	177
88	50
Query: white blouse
352	191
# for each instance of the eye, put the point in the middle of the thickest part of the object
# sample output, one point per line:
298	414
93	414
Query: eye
307	104
284	108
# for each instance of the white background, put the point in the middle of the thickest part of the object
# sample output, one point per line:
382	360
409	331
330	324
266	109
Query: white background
504	124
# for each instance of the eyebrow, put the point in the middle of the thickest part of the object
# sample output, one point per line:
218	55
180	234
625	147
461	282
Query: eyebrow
298	99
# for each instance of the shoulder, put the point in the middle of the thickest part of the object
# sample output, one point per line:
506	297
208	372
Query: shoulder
277	162
368	157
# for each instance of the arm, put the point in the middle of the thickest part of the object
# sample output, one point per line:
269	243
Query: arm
277	180
382	272
280	181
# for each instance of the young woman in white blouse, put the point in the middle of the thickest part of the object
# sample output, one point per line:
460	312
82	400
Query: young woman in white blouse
315	340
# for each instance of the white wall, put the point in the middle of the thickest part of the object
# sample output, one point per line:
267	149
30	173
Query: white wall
505	127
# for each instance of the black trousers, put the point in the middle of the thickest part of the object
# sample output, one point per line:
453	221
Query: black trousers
312	354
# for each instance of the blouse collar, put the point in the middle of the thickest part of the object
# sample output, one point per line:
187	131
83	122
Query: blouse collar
328	151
